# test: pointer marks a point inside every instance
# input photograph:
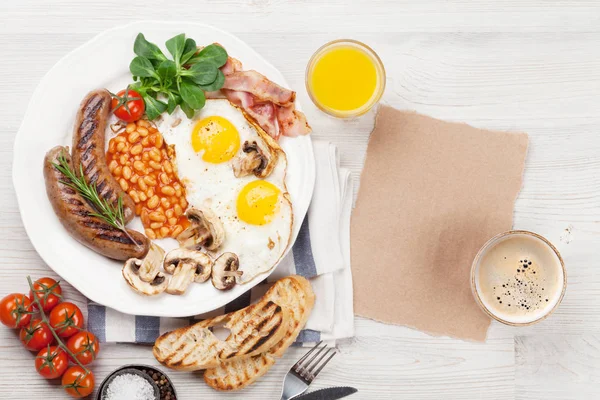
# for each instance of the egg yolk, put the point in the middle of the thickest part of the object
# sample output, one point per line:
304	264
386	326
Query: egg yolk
217	137
257	202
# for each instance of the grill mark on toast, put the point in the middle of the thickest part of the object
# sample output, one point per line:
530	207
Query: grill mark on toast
268	313
173	353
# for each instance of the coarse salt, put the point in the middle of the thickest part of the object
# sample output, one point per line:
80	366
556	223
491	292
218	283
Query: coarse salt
129	387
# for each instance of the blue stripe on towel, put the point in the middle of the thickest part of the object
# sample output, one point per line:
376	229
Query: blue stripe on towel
302	250
146	329
308	335
97	321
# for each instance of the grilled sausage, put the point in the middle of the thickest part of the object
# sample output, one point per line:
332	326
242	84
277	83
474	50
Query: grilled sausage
76	216
89	149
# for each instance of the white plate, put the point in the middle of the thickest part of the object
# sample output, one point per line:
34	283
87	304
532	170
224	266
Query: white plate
104	62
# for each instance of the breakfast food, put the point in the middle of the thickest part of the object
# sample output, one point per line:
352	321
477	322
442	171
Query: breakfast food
519	277
186	266
259	334
234	173
271	105
182	80
293	293
81	220
139	159
226	271
254	330
54	331
144	276
205	230
191	148
88	149
345	78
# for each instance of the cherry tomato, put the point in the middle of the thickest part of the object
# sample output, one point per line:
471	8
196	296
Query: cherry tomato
15	310
85	346
51	362
36	335
77	382
128	105
48	292
66	319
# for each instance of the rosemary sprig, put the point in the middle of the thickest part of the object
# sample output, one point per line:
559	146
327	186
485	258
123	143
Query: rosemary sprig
110	213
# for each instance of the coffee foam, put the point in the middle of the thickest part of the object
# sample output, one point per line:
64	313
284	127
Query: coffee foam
519	278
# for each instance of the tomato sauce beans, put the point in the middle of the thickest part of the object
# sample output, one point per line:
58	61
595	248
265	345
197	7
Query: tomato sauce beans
142	163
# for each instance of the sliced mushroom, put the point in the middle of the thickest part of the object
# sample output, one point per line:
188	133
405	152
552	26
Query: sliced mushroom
186	266
205	230
131	274
151	264
256	158
225	271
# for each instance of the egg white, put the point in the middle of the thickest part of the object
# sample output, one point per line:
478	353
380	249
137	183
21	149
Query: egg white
213	185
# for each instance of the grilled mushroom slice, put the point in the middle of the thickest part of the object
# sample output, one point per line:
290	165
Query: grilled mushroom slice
186	266
256	158
131	274
225	271
151	264
205	230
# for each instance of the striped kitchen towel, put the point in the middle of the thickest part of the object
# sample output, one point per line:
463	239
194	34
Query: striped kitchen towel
321	253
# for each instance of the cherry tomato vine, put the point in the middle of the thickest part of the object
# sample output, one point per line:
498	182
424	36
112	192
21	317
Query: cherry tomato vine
59	342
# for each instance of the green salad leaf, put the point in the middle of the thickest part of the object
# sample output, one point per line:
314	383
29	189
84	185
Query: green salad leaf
144	48
213	54
154	107
173	101
167	73
181	81
142	67
175	46
192	94
216	85
189	50
202	73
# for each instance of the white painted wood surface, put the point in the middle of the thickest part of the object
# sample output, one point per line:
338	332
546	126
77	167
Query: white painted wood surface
524	65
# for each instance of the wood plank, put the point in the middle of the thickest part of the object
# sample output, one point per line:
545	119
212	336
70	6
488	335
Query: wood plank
557	366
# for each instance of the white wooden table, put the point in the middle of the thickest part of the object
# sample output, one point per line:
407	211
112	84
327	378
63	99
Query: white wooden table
522	65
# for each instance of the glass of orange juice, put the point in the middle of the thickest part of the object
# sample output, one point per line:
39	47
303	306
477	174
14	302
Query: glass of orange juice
345	78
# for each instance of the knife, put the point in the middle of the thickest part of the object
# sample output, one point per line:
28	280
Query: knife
332	393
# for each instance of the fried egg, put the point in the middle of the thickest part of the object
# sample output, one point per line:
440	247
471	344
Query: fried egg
256	213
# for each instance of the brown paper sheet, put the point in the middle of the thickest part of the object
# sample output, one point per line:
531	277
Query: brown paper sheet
431	194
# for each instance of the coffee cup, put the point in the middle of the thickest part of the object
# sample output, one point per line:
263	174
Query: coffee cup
518	278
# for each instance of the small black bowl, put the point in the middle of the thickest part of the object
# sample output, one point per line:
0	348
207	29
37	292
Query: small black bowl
137	370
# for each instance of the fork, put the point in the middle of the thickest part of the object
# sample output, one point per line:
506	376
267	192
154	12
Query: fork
301	375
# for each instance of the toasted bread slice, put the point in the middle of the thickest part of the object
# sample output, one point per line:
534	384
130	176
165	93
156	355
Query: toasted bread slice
293	293
253	330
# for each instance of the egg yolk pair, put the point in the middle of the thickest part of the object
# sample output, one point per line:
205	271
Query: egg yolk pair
257	202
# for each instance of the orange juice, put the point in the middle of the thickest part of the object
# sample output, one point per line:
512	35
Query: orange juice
345	78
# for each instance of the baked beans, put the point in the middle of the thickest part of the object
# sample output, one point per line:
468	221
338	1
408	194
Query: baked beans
141	162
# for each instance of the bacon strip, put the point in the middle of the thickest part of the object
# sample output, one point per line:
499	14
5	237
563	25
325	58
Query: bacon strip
262	112
232	65
258	84
271	105
291	122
